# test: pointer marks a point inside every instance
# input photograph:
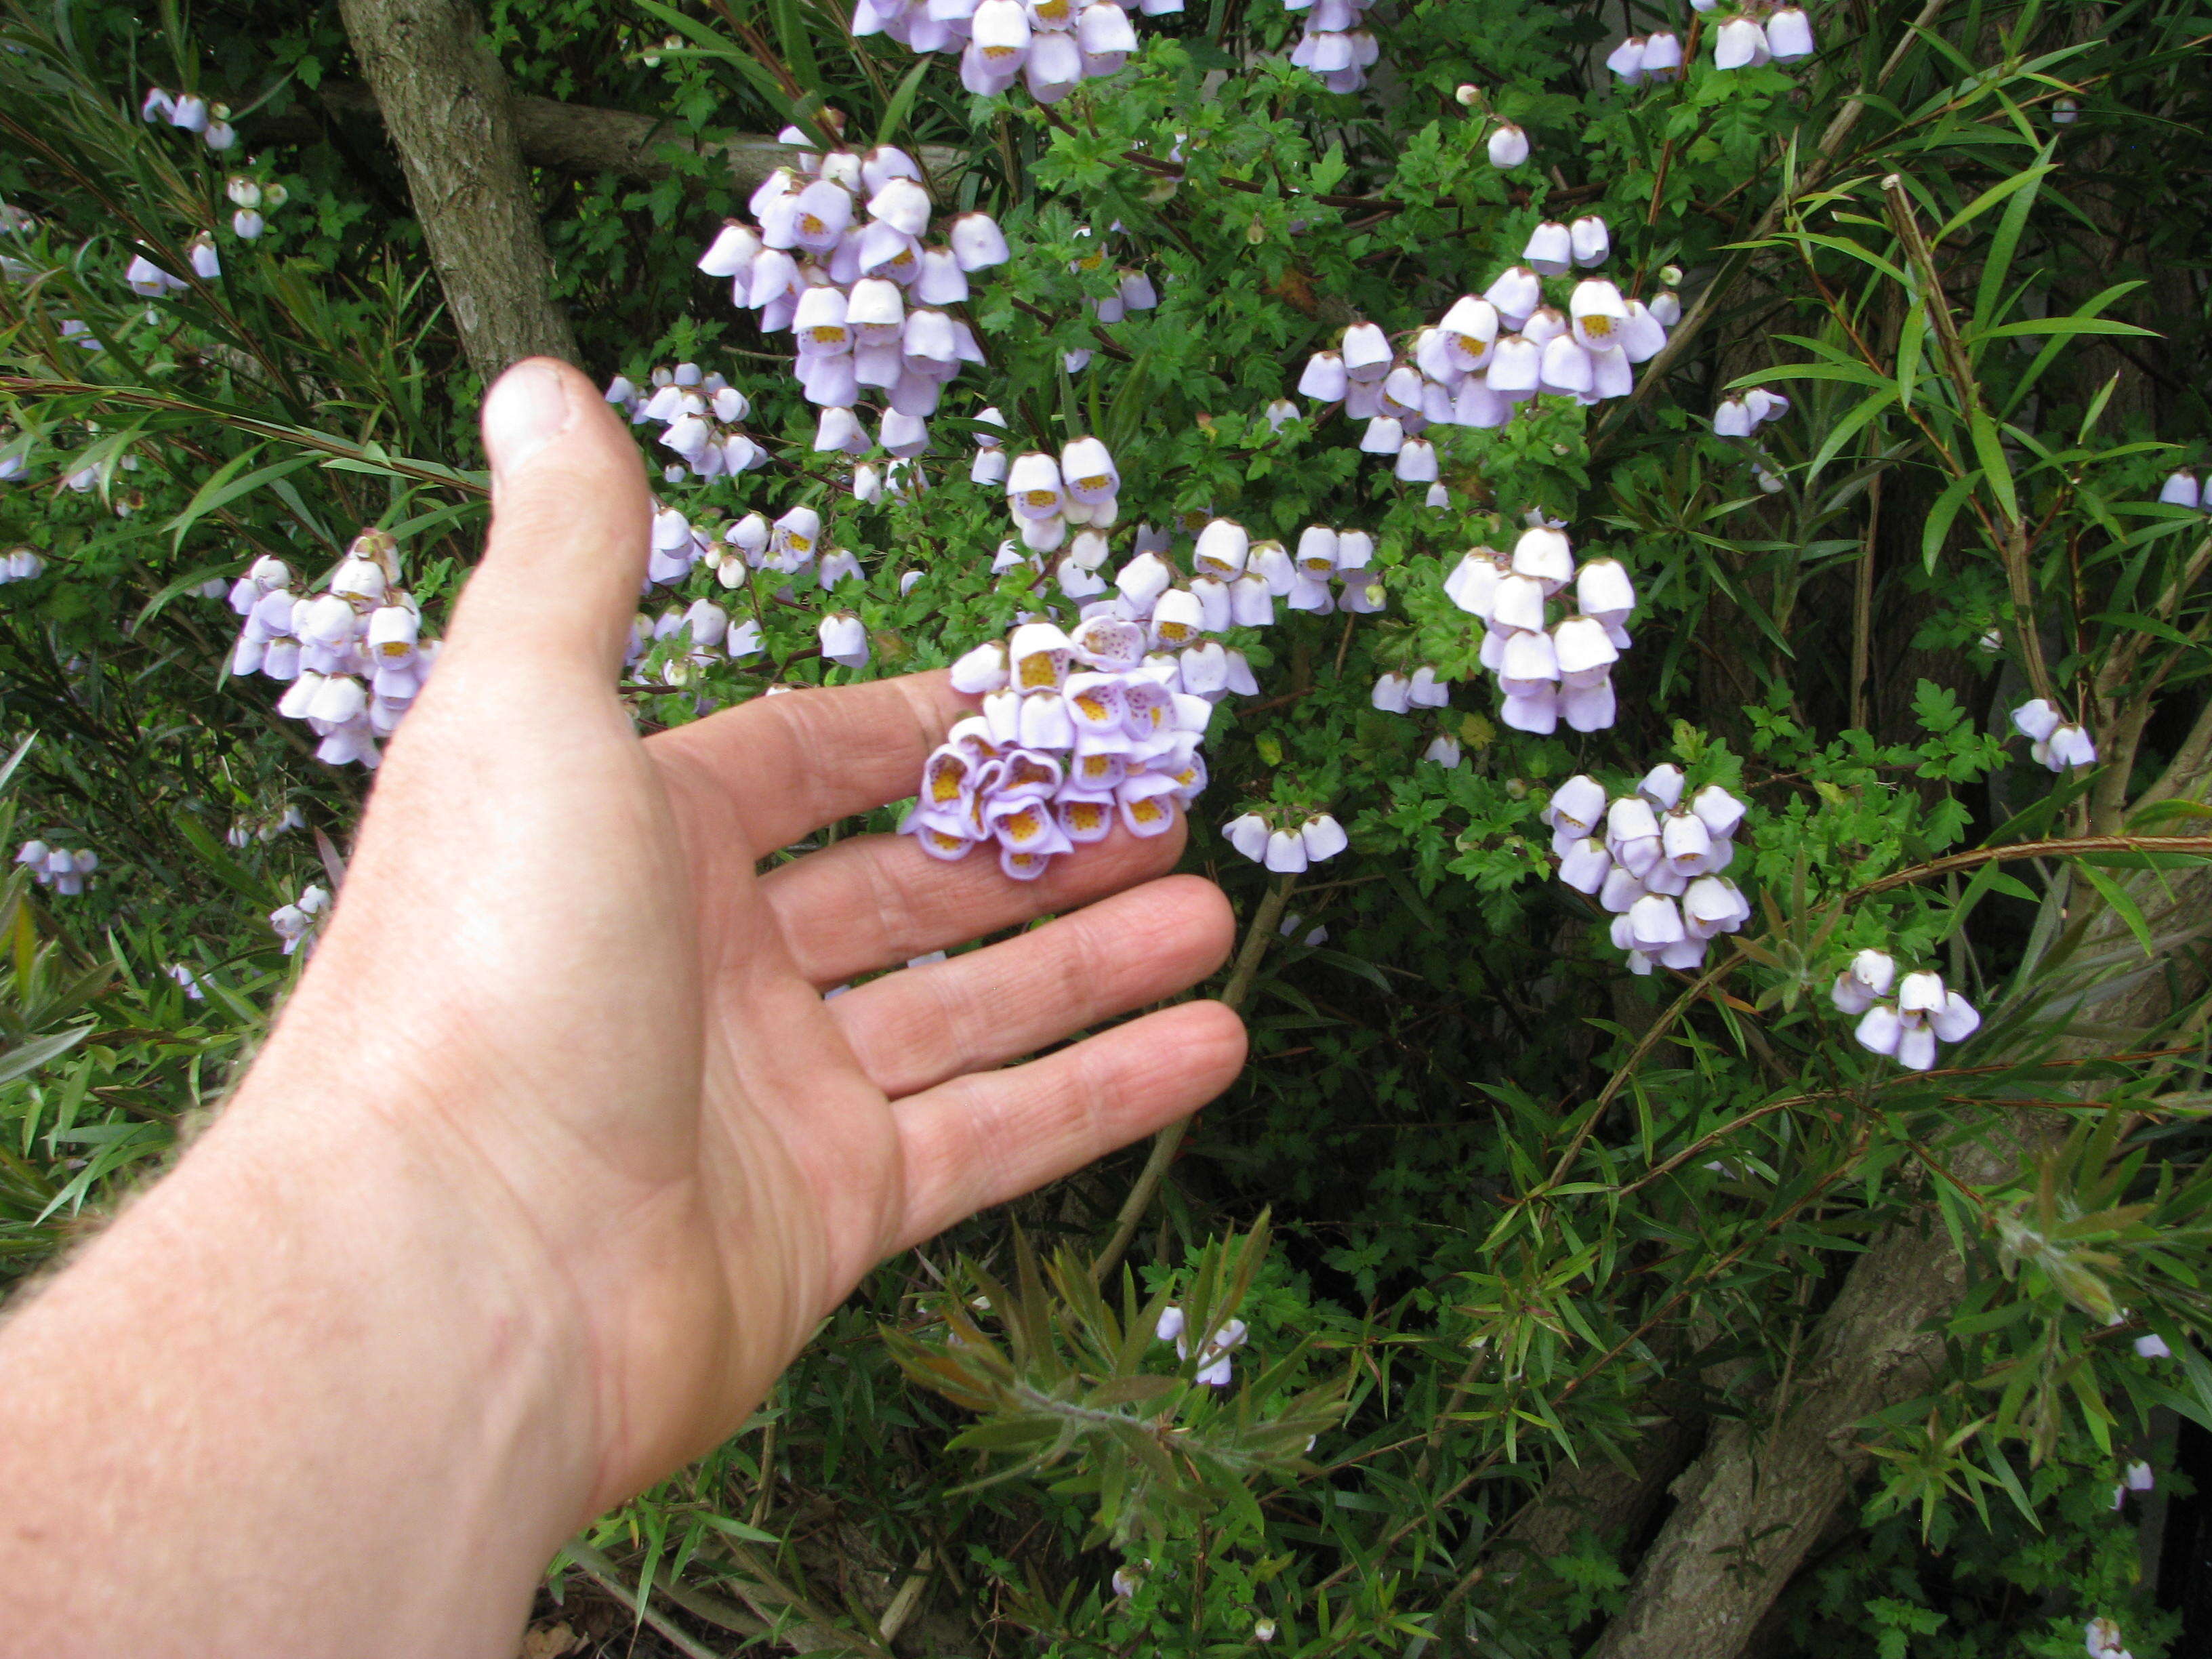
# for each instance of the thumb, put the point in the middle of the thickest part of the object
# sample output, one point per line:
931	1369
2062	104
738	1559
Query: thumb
571	513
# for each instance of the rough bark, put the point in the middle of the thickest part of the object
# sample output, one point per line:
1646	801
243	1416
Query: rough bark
1608	1501
445	103
1762	1495
583	138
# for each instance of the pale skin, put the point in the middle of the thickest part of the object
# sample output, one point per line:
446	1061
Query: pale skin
556	1155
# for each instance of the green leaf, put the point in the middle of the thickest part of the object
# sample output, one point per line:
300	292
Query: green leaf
1938	524
226	487
26	1057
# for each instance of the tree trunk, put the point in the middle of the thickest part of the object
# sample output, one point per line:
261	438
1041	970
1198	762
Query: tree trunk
445	103
1762	1495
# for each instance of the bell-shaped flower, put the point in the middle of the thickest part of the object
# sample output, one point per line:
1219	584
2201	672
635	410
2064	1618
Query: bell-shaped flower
1713	905
1536	713
1849	995
190	112
1722	812
1589	705
1325	379
1383	436
1602	590
1417	462
1248	834
1879	1030
844	639
1517	603
1367	355
1425	691
975	238
1587	238
2036	720
1143	580
1545	554
1654	922
1472	583
1956	1020
1223	549
1630	822
1598	313
2181	490
902	202
1508	146
1617	895
2152	1347
1741	43
1550	250
1322	837
1920	992
1874	970
1578	805
1662	786
1033	486
1790	35
1039	657
1686	843
1530	661
1178	617
1393	694
1627	59
1516	294
1585	866
1516	365
1916	1047
2069	745
1662	57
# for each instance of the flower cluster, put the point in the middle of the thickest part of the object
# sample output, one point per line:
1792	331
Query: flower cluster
1214	1369
2058	744
1492	351
698	414
192	113
1761	33
1545	670
249	196
1076	729
1133	290
51	866
1287	849
705	635
352	657
2182	489
298	922
1654	849
1336	47
245	833
1082	487
20	564
1907	1028
1740	417
838	257
1051	46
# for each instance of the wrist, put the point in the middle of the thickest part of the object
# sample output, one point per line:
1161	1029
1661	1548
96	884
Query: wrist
355	1393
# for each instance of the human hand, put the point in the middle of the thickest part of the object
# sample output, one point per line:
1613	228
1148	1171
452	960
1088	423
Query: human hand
556	962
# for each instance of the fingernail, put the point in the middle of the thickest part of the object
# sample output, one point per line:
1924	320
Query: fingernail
528	408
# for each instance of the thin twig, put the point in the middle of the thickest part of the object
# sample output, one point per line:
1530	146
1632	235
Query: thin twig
1257	936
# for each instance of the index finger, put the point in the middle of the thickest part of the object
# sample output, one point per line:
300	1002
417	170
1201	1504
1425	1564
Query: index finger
789	764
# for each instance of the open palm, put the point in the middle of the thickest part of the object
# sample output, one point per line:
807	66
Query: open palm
551	910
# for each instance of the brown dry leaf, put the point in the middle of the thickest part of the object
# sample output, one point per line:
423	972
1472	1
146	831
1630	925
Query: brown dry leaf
549	1641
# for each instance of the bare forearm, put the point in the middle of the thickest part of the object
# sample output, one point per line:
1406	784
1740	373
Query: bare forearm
284	1405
